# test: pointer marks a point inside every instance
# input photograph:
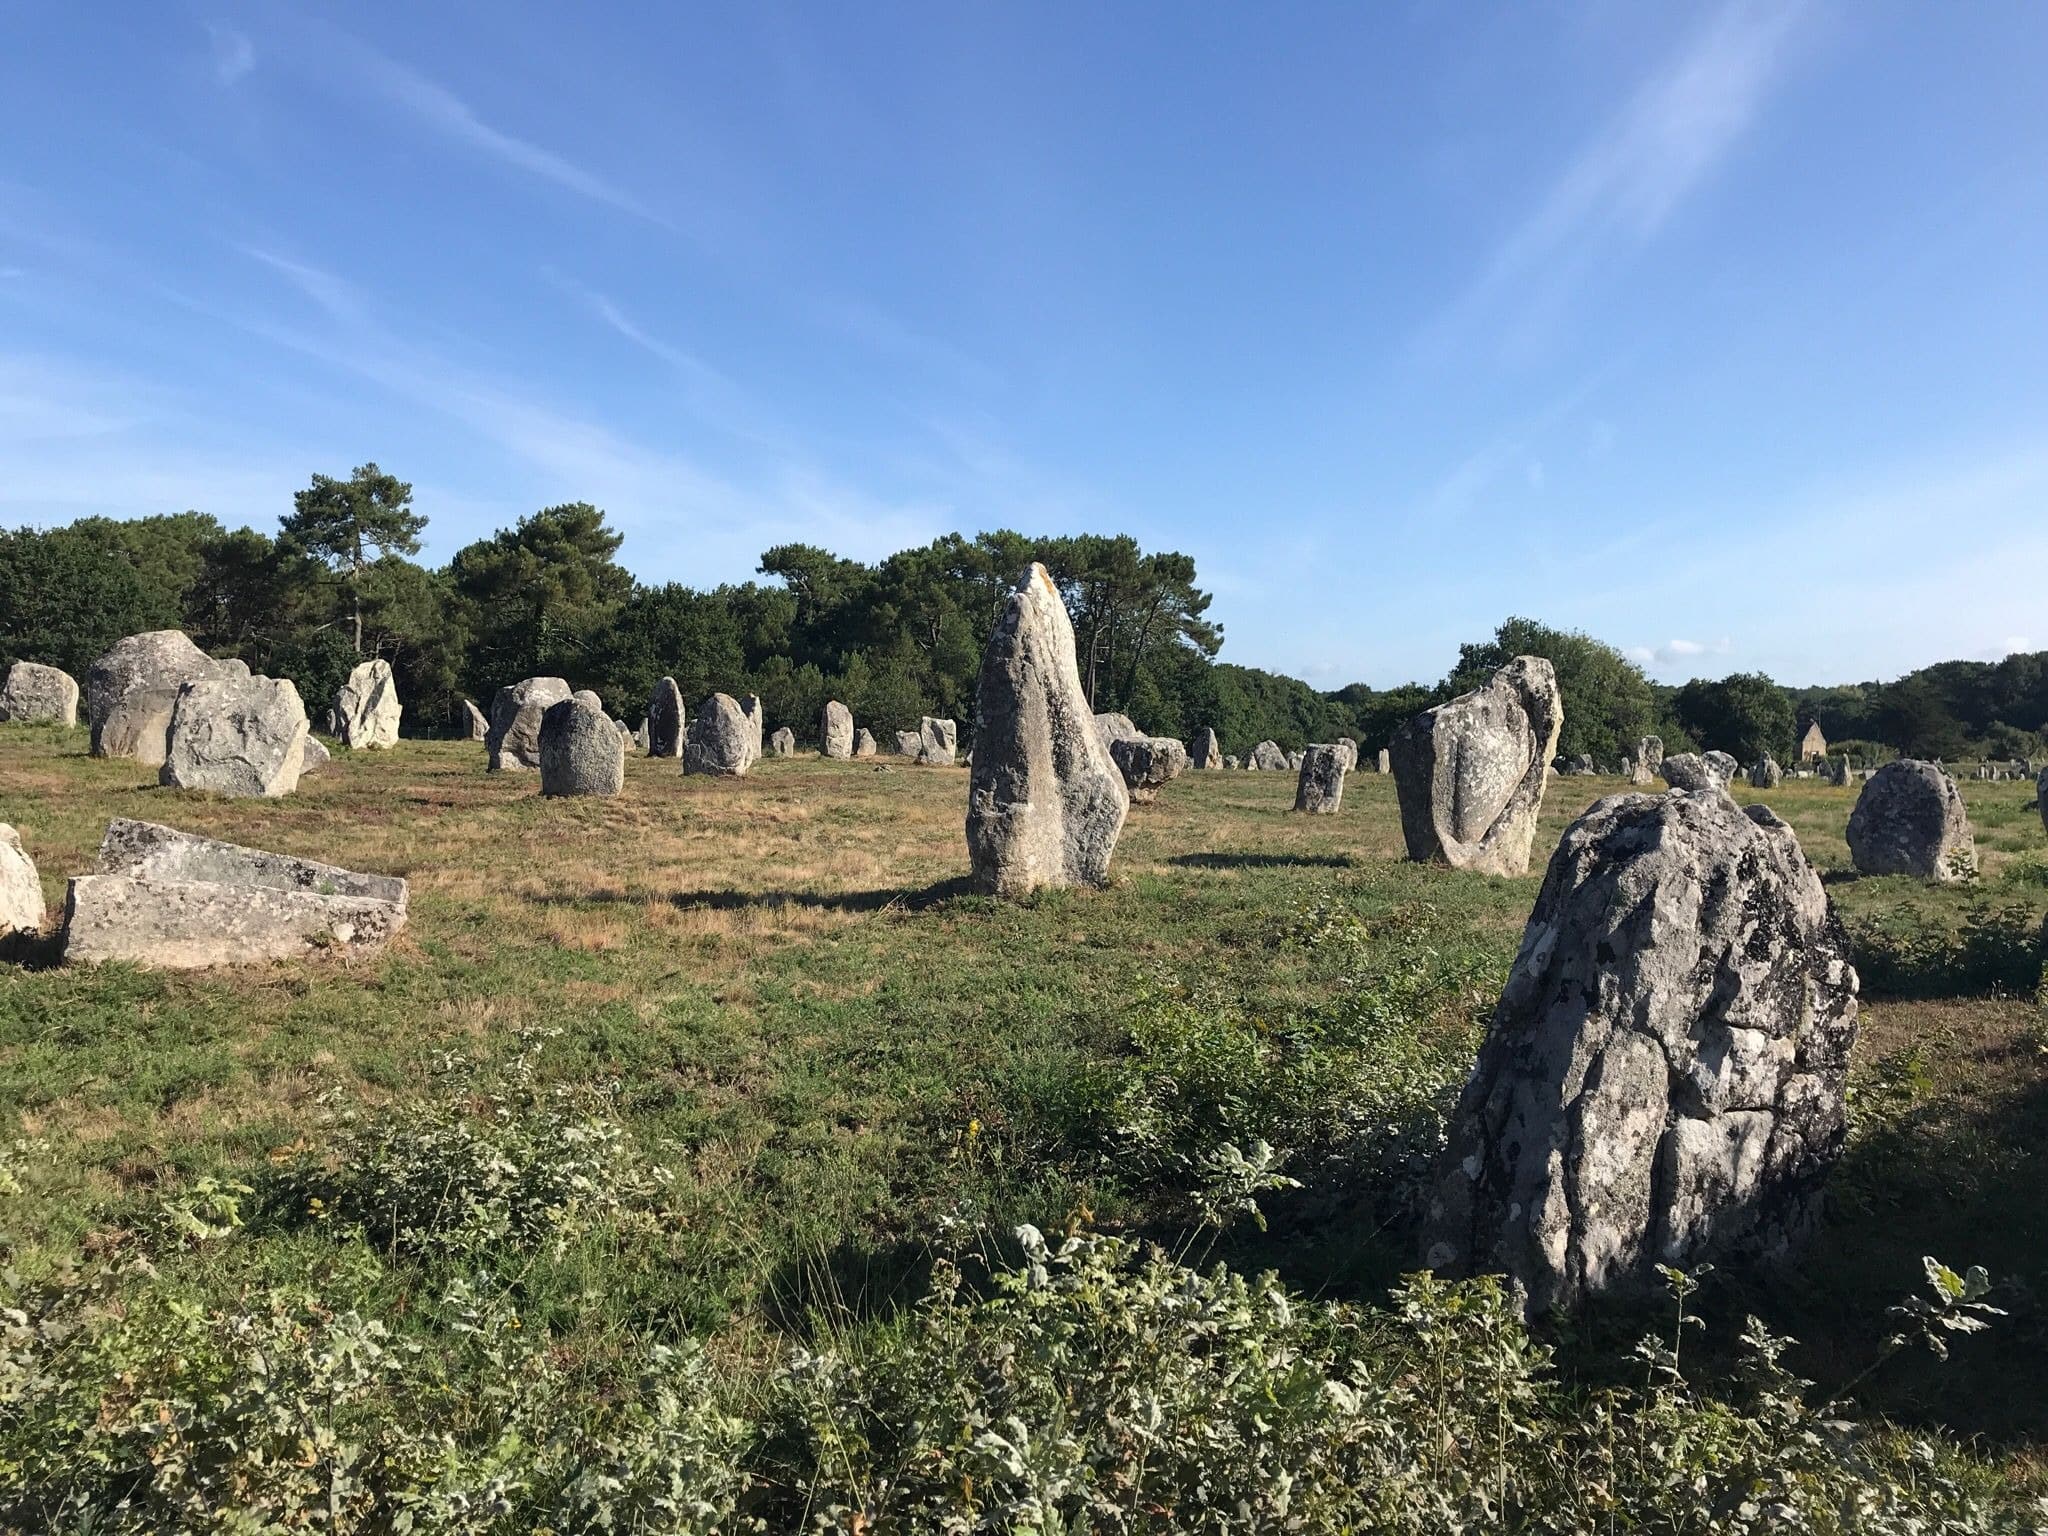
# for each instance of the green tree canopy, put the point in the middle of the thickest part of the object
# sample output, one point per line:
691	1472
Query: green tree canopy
1744	714
1609	704
348	524
537	597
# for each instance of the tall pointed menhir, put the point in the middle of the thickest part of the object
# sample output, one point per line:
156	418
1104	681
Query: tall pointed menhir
1044	803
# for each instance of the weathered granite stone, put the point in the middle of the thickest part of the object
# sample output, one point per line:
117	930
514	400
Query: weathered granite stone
1663	1079
1835	770
1688	770
1910	820
750	707
1206	752
471	724
21	889
1765	773
909	744
1470	773
1580	767
315	755
1641	765
1045	803
783	742
720	739
590	697
366	709
1116	727
1320	789
2041	797
36	692
835	730
1268	758
1147	763
640	740
236	736
167	898
132	688
582	751
938	740
513	741
665	719
1347	749
1724	765
863	742
1233	762
1384	763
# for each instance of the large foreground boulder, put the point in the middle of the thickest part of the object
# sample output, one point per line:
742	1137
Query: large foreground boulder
721	739
21	888
665	719
1267	757
167	898
1320	790
1044	801
513	742
1206	751
133	686
1148	763
1470	774
938	740
1910	820
582	750
236	736
835	730
366	707
1662	1082
36	692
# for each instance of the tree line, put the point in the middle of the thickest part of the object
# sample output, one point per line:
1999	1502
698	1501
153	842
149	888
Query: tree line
340	581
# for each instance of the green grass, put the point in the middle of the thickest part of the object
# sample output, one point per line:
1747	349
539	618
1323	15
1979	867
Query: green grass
781	989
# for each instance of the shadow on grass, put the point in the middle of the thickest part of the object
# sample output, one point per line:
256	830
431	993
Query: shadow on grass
1262	860
42	951
728	899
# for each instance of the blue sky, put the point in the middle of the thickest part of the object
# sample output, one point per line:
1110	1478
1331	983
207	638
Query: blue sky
1720	331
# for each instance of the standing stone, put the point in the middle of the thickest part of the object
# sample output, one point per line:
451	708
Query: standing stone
21	889
665	720
236	736
938	740
366	709
640	739
513	741
1045	803
721	739
1765	773
1724	765
1267	757
1470	773
1117	727
1688	770
1207	751
582	750
131	690
471	724
1384	763
1294	761
1232	763
1147	762
2041	797
783	742
36	692
1347	749
1835	770
750	707
863	742
1320	790
835	730
315	755
1642	766
909	744
1910	820
1662	1082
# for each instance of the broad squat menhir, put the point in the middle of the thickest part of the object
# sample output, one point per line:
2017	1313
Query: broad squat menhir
131	689
366	707
1470	773
36	692
1662	1082
582	752
1044	801
1909	820
1320	790
721	740
514	738
240	736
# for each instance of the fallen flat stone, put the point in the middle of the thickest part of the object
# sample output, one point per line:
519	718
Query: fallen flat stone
1320	789
133	686
1910	820
720	741
1663	1079
1470	774
1045	803
241	736
165	898
835	730
21	888
582	750
366	709
1147	763
513	741
1206	752
34	692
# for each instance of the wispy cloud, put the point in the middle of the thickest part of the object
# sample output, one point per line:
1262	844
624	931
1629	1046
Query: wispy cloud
1678	652
234	55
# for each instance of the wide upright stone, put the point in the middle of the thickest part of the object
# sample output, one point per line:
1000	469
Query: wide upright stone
835	730
782	743
938	740
1206	752
863	742
1813	743
162	897
366	708
34	692
909	744
132	687
236	736
1470	774
1268	757
1724	765
21	888
471	723
665	719
1765	773
1910	820
1148	763
1044	802
1662	1082
582	751
1320	789
721	739
1689	770
1644	763
513	742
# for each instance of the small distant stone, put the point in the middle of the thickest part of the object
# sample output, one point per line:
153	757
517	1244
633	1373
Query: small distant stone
1268	758
863	742
513	740
1206	752
938	740
835	730
1147	763
471	724
1320	789
316	756
1765	773
1690	771
783	742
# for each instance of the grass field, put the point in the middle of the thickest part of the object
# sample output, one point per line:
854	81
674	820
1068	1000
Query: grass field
781	989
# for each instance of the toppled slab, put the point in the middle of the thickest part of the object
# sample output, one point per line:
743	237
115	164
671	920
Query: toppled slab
171	899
